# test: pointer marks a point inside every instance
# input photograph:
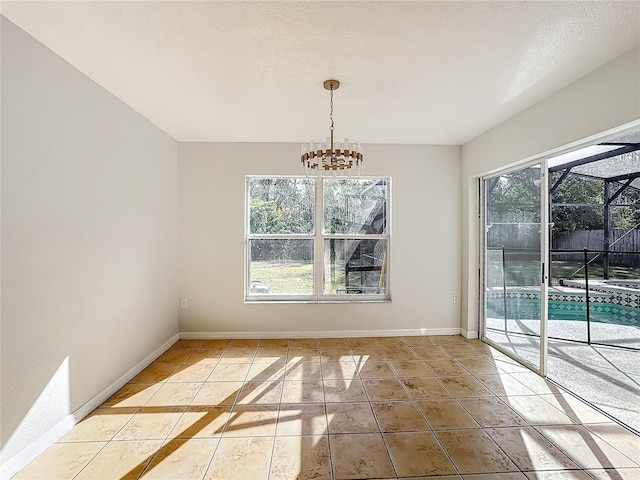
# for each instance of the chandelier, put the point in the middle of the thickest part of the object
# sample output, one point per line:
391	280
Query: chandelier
330	156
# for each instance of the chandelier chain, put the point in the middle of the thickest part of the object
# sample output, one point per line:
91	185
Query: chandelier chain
331	112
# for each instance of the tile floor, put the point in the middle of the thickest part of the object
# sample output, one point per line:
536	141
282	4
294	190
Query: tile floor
413	407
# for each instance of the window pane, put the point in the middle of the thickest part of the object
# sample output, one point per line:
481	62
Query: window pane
355	207
281	205
281	267
355	266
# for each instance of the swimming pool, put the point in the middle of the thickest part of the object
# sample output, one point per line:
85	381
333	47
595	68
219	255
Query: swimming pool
529	309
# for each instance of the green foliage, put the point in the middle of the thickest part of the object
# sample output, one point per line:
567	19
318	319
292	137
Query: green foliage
266	217
515	197
577	218
626	217
577	189
281	205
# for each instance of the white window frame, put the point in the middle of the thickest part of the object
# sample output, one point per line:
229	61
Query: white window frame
318	237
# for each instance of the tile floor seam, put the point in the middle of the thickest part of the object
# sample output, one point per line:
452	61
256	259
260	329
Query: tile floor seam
559	447
413	400
550	440
421	413
200	349
595	407
273	444
503	402
402	384
445	387
537	396
205	471
514	376
162	444
224	428
586	426
504	451
229	419
150	459
415	405
326	415
92	459
422	360
386	447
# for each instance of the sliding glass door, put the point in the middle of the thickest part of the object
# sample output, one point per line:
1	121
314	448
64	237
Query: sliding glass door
514	263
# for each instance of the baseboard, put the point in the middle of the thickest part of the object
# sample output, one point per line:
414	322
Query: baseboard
35	448
96	401
322	334
469	333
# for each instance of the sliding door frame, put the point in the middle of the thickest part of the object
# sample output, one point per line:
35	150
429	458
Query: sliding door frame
541	368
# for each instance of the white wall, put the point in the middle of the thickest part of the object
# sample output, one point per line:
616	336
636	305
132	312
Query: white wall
89	239
605	99
425	255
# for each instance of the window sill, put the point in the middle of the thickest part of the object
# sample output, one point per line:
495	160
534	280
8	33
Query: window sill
263	301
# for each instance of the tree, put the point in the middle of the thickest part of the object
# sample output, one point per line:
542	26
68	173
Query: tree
577	189
626	217
514	197
281	205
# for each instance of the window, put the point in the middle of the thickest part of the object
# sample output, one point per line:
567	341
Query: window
317	239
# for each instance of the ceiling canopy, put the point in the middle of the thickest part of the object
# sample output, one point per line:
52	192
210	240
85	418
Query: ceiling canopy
617	160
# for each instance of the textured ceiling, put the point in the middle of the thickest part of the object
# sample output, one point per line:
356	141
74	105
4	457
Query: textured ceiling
411	72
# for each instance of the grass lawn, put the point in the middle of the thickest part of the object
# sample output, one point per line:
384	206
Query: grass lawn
296	278
565	269
526	273
284	278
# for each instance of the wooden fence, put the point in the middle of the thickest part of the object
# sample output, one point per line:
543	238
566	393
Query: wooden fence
593	240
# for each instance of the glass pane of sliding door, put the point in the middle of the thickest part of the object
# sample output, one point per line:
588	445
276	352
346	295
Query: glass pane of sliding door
514	294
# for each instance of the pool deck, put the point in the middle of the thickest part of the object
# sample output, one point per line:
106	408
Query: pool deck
607	333
605	376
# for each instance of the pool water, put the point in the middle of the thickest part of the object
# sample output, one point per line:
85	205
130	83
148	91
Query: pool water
529	309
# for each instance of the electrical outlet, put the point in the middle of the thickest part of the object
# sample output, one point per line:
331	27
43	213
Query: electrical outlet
183	303
456	298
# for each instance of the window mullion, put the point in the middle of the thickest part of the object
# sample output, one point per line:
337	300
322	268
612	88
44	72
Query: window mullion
318	267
